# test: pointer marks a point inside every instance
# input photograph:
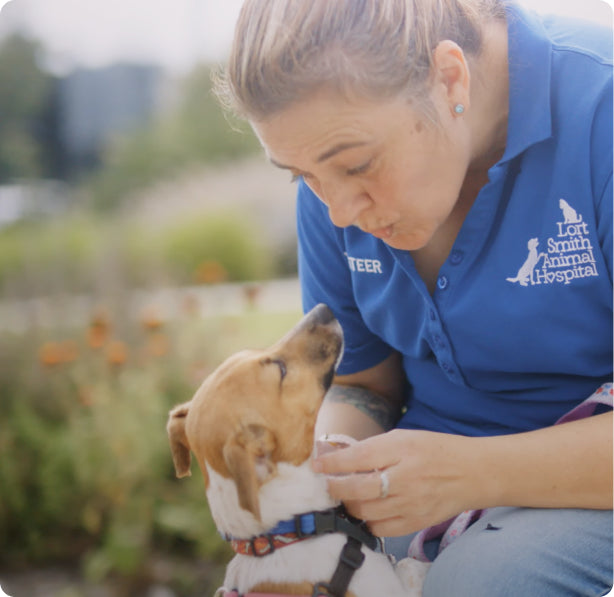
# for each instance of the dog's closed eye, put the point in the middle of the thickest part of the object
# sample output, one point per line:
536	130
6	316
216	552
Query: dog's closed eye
280	364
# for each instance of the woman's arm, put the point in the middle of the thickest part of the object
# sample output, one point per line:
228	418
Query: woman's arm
365	403
564	466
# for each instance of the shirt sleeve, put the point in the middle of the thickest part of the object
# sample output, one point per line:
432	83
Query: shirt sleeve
325	278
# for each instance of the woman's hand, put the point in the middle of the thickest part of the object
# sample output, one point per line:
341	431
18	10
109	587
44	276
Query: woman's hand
427	474
435	476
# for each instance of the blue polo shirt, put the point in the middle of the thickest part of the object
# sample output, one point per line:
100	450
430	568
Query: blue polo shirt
519	328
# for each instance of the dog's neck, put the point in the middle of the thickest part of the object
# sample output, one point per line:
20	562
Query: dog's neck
293	490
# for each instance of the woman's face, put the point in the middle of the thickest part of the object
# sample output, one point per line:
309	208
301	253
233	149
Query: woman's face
380	166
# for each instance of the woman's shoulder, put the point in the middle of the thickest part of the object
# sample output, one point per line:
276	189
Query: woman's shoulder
581	38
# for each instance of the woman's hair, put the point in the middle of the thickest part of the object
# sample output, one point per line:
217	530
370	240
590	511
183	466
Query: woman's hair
285	50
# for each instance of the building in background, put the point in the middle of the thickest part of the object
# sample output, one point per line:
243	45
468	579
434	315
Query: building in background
96	104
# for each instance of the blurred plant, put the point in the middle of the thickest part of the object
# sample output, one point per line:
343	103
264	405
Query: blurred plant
25	92
81	254
85	469
217	247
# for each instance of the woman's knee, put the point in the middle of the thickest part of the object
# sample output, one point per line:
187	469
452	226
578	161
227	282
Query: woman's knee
527	552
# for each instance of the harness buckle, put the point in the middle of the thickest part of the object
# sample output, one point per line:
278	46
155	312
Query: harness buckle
352	556
322	589
267	548
325	522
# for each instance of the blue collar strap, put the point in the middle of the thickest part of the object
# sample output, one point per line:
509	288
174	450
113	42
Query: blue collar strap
303	526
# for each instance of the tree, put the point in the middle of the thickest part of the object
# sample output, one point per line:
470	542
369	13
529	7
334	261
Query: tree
25	92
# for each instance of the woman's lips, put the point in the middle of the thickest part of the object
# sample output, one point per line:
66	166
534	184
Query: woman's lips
382	233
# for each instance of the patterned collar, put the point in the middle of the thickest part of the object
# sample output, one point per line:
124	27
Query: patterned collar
301	527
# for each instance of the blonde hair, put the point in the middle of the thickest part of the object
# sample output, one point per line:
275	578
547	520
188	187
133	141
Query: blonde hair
284	50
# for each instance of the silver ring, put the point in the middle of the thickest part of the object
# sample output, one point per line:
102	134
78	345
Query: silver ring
384	484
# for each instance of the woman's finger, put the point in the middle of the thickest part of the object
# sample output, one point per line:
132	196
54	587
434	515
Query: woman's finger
360	486
374	453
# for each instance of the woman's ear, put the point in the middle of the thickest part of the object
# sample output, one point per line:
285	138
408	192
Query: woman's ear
450	73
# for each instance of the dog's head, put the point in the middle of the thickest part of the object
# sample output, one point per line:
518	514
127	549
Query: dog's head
259	408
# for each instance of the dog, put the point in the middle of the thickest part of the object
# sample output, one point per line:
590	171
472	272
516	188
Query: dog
525	273
250	427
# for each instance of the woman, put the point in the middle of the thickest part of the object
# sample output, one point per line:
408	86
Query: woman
454	166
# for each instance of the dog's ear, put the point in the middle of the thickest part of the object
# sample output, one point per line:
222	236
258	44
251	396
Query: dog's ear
180	446
248	456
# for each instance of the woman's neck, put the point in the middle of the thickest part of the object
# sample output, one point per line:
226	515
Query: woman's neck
490	97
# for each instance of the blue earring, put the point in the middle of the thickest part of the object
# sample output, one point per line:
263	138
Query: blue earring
459	108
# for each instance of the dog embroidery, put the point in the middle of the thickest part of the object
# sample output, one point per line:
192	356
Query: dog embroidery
525	273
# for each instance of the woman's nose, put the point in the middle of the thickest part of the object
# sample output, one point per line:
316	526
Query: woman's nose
344	204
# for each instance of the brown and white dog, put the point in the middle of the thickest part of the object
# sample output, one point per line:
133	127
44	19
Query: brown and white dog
250	426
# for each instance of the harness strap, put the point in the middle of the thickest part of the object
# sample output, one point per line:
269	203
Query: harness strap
350	560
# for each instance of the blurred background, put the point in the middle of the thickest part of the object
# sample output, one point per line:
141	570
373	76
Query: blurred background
143	238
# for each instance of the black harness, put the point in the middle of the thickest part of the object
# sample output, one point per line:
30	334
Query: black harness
312	524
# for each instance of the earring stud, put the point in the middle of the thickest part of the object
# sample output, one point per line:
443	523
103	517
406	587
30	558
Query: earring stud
459	108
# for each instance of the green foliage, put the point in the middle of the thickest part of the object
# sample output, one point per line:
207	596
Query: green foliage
226	239
79	253
24	95
86	473
196	132
41	256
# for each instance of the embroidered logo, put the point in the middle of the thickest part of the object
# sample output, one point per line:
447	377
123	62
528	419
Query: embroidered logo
569	254
369	266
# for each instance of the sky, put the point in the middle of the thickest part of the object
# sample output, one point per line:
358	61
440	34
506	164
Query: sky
172	33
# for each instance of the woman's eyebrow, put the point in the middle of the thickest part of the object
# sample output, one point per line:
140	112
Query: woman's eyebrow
278	165
338	149
329	153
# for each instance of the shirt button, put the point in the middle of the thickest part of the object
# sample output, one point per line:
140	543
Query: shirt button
456	257
442	282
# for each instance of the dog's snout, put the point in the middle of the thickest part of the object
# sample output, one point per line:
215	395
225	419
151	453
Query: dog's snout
321	314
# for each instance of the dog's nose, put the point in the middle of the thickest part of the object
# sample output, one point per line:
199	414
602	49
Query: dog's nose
321	314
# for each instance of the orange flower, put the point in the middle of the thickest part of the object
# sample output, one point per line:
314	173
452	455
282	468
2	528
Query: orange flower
157	345
99	329
50	354
117	353
151	319
210	272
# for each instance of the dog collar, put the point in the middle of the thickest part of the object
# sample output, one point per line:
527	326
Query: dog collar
301	527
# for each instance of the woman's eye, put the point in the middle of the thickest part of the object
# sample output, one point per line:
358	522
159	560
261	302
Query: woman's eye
359	169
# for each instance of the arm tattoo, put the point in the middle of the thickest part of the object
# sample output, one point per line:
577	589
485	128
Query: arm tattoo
380	410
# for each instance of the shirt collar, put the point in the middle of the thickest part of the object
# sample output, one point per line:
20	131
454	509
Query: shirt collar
530	119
